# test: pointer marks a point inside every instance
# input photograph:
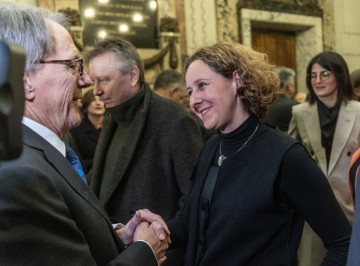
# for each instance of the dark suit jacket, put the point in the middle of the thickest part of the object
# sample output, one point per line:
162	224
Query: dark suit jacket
49	216
279	113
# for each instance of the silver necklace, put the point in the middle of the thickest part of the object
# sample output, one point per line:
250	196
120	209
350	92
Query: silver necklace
223	157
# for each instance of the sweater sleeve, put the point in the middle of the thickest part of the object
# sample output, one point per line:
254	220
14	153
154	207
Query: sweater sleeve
305	187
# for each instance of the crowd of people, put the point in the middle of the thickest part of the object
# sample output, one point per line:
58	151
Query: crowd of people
220	165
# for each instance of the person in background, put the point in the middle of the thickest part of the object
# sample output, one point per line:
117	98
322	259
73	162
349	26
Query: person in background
49	216
244	208
86	135
327	125
355	83
169	84
148	145
279	113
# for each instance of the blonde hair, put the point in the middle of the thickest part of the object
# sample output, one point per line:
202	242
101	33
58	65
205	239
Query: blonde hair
259	81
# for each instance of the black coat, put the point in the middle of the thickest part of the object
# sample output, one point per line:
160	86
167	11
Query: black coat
280	112
154	166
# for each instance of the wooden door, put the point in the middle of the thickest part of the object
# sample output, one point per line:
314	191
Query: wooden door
278	45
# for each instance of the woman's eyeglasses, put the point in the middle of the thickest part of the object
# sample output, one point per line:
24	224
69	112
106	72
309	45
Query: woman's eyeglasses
324	75
72	63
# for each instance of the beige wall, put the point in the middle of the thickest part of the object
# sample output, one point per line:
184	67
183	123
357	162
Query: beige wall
347	31
200	23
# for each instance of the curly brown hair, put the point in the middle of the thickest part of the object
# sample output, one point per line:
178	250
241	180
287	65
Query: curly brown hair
259	81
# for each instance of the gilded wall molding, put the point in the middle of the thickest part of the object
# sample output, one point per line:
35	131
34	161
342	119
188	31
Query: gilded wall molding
300	7
227	20
328	24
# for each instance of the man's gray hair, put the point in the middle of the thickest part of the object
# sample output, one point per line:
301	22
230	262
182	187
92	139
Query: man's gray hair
26	26
126	53
285	75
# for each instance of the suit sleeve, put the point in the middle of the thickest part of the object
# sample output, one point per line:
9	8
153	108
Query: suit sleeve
36	226
137	254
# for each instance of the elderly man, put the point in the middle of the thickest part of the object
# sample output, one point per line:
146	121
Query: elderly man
49	216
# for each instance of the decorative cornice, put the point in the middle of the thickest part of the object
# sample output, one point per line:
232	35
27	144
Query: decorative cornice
304	7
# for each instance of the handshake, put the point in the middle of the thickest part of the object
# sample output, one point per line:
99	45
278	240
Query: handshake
148	227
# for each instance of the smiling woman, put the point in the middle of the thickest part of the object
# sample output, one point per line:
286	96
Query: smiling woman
252	183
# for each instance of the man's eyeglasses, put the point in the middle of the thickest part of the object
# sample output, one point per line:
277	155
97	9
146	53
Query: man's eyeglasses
72	63
324	75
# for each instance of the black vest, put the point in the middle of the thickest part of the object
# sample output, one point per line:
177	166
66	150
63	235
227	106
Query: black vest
244	215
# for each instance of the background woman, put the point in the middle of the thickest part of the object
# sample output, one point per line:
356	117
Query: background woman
86	135
253	186
328	126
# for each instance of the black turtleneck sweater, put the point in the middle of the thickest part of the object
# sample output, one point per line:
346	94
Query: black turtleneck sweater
233	142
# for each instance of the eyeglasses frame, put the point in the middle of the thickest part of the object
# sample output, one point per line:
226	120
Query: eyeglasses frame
67	62
313	76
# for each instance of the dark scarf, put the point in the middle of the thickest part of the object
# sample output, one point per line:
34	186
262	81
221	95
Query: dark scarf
123	115
328	118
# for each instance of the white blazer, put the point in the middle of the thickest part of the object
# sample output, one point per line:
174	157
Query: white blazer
305	127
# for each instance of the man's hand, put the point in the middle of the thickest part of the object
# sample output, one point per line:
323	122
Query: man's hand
144	231
158	225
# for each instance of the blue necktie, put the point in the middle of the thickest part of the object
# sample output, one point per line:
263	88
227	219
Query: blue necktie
73	159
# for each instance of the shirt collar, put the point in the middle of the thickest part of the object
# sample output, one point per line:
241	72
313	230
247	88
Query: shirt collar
46	134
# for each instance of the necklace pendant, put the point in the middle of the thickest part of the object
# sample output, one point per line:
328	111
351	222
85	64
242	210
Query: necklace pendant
221	159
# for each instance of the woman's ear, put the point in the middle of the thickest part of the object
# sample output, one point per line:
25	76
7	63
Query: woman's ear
236	78
29	90
134	75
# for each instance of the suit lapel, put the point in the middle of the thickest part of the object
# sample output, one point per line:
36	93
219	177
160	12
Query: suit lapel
312	126
345	123
61	165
